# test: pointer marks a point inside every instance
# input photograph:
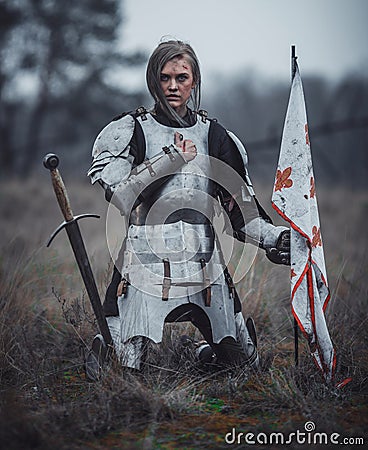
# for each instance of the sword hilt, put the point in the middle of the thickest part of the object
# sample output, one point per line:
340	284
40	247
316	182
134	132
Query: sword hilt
51	162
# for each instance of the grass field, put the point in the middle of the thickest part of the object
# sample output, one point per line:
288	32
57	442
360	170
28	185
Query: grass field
46	325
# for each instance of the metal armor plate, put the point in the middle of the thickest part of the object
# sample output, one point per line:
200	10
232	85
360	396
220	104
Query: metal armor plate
187	194
244	156
115	137
174	224
111	160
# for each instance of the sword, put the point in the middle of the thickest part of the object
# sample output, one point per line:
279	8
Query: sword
51	162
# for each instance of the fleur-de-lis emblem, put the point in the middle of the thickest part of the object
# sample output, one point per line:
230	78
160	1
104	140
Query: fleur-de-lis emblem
312	191
283	179
316	237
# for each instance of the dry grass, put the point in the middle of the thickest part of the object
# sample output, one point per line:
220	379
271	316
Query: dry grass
46	324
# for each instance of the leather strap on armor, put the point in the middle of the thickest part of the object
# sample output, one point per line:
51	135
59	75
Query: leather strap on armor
206	284
129	193
166	284
123	286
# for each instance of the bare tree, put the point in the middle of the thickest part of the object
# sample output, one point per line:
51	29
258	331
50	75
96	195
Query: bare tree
10	18
61	49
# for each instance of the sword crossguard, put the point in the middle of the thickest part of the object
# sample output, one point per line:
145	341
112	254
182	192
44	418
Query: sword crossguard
68	222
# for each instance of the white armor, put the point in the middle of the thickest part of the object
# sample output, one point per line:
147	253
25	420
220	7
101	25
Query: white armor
180	242
171	256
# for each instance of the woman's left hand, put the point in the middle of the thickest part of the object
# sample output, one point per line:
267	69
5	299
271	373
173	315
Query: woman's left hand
280	254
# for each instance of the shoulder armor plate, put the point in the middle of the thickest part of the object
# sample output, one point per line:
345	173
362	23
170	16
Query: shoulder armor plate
115	137
240	146
244	156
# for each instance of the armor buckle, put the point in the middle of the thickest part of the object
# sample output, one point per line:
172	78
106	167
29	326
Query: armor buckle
203	114
230	283
141	111
149	167
168	152
123	286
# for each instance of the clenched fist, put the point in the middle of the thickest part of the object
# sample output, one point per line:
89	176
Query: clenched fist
186	145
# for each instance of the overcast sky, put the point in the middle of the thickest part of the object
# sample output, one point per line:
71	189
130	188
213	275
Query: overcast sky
331	36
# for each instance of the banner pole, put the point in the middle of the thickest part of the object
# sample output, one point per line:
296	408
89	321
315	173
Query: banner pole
296	327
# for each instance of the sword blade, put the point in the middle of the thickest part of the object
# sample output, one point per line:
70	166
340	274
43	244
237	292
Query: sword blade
80	253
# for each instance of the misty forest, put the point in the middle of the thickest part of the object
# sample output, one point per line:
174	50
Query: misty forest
58	88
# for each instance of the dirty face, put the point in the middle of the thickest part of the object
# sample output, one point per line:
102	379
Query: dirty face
177	82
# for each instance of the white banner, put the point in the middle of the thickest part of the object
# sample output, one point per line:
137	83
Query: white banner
294	198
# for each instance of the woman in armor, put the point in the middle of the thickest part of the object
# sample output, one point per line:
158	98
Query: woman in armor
171	171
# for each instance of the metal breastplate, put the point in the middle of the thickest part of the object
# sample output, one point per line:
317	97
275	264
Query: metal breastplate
174	222
170	256
186	195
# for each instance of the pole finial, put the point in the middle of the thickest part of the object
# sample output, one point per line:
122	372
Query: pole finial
293	62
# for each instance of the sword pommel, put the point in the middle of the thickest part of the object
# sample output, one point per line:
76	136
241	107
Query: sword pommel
51	161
